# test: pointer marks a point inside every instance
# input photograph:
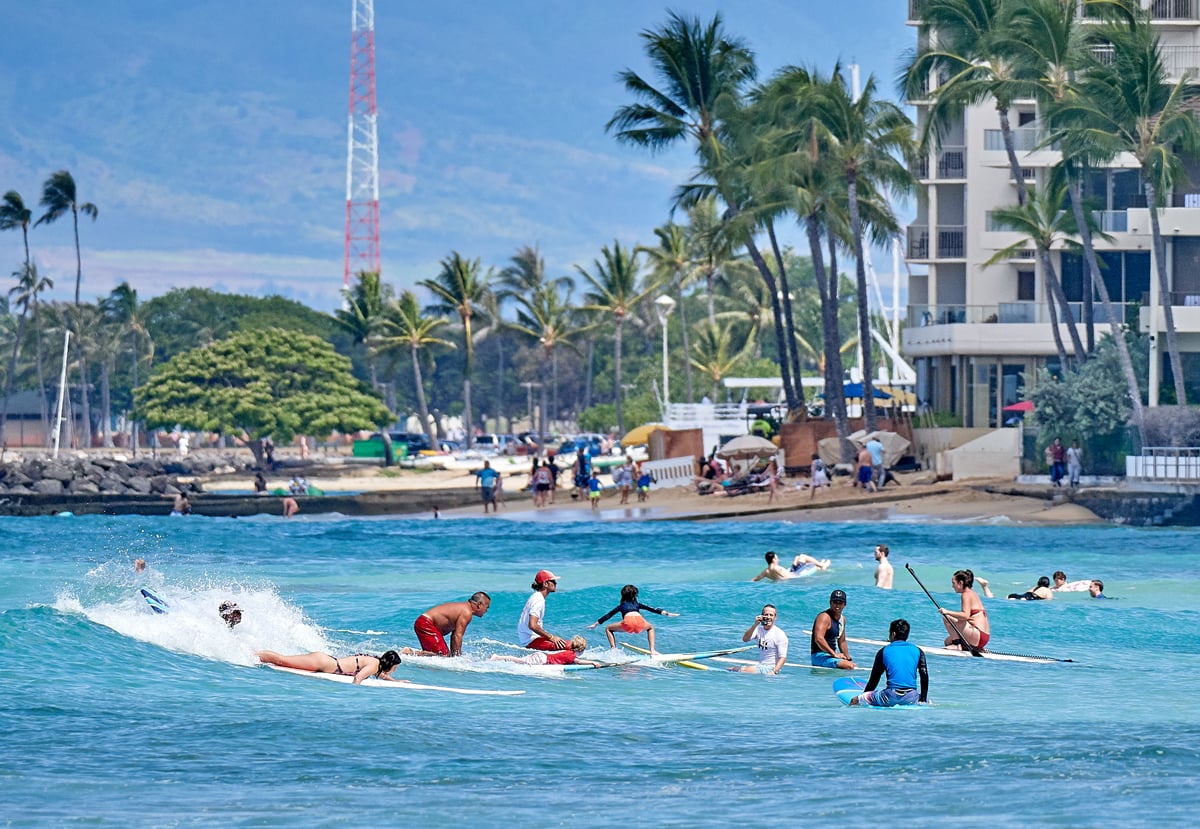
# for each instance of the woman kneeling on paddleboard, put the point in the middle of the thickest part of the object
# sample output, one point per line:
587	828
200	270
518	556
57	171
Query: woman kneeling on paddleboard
360	665
967	629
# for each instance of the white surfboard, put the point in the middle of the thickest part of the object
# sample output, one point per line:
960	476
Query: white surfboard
399	685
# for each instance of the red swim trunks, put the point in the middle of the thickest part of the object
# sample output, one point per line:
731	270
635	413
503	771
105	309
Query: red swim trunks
543	644
429	636
634	623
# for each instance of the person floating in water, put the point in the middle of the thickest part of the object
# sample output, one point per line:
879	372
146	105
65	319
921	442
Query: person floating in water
632	620
801	565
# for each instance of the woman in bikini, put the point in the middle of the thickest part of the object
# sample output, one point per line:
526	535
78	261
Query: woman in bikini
971	621
360	665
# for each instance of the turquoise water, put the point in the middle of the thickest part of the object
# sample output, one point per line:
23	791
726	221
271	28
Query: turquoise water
112	716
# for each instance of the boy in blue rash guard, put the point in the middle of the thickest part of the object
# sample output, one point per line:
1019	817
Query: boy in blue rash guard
903	663
632	620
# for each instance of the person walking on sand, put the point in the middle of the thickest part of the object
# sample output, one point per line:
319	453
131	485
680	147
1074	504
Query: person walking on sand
864	478
828	644
772	480
360	666
904	665
883	571
1074	464
643	483
820	476
1058	454
531	630
486	479
632	620
624	479
432	626
874	448
594	491
973	630
772	643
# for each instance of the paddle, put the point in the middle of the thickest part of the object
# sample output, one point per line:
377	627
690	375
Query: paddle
974	650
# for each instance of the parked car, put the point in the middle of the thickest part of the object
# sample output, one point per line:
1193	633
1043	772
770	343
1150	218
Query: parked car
492	444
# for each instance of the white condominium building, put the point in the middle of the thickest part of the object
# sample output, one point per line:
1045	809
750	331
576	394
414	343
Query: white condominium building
976	332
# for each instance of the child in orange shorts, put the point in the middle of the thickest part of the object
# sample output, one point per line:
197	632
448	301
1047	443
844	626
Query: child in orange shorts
632	620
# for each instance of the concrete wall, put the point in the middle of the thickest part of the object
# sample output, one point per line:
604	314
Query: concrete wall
927	443
996	454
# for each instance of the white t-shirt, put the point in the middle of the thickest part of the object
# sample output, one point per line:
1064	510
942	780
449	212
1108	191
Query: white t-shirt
535	606
772	645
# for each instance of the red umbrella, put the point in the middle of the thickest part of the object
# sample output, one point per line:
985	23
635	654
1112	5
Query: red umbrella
1023	406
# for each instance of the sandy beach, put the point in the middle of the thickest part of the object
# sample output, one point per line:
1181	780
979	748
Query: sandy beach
916	498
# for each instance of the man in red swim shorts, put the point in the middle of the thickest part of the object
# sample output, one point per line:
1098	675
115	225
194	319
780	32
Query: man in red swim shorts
432	626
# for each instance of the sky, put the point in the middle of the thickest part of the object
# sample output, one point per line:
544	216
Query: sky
211	134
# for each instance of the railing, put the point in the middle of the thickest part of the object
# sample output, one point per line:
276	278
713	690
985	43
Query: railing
920	168
952	162
1180	464
1187	299
914	9
671	472
1005	313
918	242
1174	10
1109	221
1025	140
952	241
1181	60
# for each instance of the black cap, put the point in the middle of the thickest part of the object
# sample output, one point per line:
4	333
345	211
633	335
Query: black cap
837	596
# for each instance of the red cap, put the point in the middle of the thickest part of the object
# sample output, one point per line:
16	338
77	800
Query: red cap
544	576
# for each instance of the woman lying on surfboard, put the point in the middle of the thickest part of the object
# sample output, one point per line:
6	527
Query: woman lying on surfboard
632	620
360	665
971	622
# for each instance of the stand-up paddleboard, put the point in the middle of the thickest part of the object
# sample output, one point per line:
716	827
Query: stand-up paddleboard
156	604
467	665
985	654
687	660
399	685
848	687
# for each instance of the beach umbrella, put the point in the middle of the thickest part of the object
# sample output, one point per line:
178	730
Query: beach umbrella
748	446
641	434
1023	406
854	391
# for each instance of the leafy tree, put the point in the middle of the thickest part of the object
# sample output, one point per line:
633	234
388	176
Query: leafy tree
715	352
58	197
14	214
404	327
365	303
22	295
256	384
122	308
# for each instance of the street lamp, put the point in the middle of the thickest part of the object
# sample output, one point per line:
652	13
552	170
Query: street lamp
664	305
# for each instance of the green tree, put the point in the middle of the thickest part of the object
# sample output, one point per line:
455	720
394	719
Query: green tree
365	303
405	327
14	214
256	384
460	288
58	197
671	262
615	291
715	352
548	318
121	306
23	295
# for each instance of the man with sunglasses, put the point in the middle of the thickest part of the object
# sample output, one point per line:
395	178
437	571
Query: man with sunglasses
531	632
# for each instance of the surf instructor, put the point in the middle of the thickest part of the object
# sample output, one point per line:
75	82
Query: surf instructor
903	663
432	626
531	632
829	648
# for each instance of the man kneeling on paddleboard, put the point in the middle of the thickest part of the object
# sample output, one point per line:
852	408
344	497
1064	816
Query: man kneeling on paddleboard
903	662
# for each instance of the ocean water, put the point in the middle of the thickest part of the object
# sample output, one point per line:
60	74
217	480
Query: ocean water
111	715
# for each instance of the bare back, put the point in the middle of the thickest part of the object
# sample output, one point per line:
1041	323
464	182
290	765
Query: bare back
446	617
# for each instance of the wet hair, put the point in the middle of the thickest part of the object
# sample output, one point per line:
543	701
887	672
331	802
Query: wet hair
1099	584
578	644
964	577
387	661
1043	582
883	548
231	613
629	593
899	630
1059	574
479	597
770	556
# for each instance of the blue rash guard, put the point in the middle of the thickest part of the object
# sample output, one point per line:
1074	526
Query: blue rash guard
626	607
904	663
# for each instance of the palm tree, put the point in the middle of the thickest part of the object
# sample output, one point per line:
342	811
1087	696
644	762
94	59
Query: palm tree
715	353
364	304
460	288
548	318
1043	221
404	326
58	196
14	214
615	292
123	307
20	296
671	265
868	137
1127	105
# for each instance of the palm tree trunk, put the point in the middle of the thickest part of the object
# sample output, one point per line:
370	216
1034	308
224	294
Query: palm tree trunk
422	404
85	405
710	278
12	369
554	380
44	409
1118	333
1047	268
468	354
687	349
1010	148
500	387
617	372
1054	286
780	338
587	377
835	402
789	322
78	258
133	430
1164	292
106	404
864	317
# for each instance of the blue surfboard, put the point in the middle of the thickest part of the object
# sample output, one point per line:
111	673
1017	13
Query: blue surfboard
847	688
156	604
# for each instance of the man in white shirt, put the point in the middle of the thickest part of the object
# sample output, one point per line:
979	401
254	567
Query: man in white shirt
772	643
530	630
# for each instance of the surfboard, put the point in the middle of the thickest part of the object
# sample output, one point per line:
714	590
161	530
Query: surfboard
999	656
399	685
687	660
730	660
848	687
469	665
156	604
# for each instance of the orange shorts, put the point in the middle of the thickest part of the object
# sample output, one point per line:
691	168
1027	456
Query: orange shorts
634	623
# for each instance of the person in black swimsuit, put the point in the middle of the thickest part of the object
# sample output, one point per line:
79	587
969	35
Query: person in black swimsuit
360	665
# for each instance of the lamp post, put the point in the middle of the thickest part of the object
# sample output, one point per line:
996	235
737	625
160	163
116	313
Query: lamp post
664	305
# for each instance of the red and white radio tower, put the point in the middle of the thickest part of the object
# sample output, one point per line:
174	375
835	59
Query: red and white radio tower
362	159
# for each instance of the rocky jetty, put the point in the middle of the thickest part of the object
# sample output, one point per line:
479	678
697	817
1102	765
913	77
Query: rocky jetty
85	476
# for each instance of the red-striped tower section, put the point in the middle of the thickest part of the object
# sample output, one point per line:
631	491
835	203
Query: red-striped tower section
362	160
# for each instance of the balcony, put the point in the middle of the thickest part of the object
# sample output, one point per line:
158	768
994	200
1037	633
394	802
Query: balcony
914	10
951	242
1109	221
1006	313
951	165
1025	140
1179	11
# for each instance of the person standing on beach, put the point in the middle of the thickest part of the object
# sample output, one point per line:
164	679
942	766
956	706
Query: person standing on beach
875	449
1058	456
864	478
820	476
828	644
531	631
485	479
1074	463
903	663
967	629
772	643
624	479
583	472
594	491
884	571
432	626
